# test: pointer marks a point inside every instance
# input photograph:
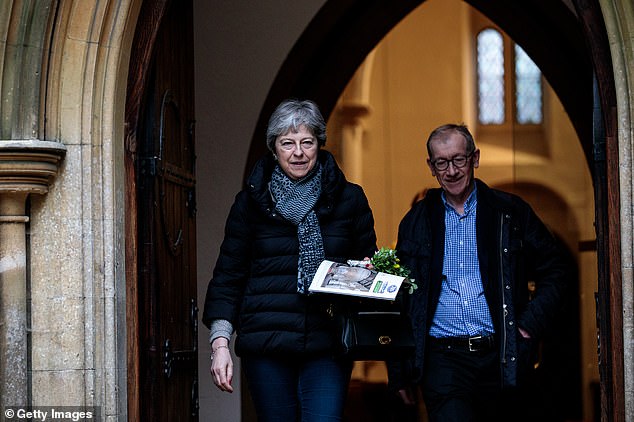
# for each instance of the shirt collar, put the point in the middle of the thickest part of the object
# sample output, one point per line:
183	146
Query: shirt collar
471	203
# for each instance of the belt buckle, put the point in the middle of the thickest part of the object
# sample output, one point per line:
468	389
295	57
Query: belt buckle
472	347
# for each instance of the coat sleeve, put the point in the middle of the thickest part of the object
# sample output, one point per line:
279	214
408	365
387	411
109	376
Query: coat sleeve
364	234
401	372
549	267
225	290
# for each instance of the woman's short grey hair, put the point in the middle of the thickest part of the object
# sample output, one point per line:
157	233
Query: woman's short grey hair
290	115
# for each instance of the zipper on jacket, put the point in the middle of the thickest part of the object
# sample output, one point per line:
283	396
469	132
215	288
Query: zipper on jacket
504	310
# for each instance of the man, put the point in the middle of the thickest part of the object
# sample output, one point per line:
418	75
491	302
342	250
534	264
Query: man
472	251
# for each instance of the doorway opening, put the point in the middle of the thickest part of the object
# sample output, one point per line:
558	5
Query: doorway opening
371	114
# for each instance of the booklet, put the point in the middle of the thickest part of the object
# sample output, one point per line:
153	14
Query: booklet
343	279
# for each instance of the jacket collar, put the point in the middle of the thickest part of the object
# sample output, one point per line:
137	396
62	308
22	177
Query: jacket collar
333	179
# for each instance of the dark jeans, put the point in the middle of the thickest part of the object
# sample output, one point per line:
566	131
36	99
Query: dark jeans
462	386
287	390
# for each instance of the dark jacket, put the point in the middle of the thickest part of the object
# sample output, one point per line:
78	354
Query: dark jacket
254	283
514	247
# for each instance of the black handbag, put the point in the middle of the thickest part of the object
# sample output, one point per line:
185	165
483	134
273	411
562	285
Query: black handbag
375	335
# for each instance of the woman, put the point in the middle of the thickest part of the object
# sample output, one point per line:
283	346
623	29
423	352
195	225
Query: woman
297	210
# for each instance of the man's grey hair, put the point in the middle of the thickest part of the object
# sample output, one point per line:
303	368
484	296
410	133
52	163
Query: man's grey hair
443	131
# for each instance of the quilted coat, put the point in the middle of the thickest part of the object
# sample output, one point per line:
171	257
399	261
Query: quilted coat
254	283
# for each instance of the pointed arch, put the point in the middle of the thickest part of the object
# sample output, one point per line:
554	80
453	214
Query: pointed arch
339	38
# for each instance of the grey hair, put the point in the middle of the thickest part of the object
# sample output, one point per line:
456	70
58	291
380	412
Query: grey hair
290	115
443	131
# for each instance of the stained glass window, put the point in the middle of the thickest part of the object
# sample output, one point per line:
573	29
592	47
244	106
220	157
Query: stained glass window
490	77
528	89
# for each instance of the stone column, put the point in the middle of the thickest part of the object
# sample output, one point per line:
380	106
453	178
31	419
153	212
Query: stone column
352	139
354	105
13	352
26	167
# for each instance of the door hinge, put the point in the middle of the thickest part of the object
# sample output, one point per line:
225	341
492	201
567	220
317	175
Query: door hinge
171	358
148	166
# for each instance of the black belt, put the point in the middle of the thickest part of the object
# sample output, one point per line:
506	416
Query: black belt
472	344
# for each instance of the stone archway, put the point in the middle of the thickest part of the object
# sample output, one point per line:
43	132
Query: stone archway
68	85
619	116
64	72
84	79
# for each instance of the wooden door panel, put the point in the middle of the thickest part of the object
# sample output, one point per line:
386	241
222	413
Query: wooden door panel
168	314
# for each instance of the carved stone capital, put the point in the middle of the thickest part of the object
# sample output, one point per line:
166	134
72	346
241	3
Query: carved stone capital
29	165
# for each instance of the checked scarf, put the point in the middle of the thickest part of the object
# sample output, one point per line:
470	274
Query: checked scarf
295	200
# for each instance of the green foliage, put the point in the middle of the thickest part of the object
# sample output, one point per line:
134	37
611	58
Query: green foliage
386	261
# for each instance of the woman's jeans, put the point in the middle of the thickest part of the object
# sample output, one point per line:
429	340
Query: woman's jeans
304	389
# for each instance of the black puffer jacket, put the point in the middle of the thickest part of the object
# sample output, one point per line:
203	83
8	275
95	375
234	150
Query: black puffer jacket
254	283
514	247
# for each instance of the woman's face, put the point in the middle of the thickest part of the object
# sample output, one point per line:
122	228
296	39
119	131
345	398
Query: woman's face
297	152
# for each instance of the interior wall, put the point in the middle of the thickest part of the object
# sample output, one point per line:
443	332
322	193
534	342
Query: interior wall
416	85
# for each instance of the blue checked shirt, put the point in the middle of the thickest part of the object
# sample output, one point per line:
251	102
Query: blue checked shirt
462	308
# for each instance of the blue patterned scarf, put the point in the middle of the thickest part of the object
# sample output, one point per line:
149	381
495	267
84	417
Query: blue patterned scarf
295	200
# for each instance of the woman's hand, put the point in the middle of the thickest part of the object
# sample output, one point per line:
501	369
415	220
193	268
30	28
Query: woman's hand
365	263
221	364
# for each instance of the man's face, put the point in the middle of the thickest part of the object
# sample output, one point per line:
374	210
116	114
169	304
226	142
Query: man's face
456	179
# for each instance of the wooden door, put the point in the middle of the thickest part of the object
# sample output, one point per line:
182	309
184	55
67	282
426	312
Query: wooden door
167	311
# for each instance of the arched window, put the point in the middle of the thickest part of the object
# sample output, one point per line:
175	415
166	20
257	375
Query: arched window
528	89
490	77
501	76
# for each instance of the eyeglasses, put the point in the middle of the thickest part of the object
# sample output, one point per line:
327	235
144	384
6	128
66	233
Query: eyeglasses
305	145
459	161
